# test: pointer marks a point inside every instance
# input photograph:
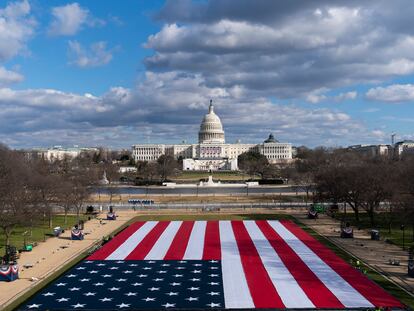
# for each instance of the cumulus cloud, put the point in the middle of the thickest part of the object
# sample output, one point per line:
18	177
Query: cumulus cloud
16	28
285	50
393	93
163	105
8	77
95	55
346	96
69	19
246	55
319	95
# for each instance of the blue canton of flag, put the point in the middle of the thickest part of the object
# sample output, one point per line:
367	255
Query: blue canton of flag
146	284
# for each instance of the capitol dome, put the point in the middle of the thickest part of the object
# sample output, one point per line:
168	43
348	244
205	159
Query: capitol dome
211	129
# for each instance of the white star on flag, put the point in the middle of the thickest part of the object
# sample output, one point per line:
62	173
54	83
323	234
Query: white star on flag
172	294
79	305
48	294
90	294
61	284
136	284
213	293
130	294
32	306
98	284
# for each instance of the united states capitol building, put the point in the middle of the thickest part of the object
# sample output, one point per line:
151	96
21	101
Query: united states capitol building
212	152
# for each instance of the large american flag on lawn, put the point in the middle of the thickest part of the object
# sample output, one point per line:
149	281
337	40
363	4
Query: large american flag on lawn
212	265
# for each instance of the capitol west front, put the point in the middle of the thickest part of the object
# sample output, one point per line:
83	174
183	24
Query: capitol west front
212	152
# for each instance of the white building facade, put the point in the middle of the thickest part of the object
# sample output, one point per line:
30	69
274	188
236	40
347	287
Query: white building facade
58	153
212	152
403	148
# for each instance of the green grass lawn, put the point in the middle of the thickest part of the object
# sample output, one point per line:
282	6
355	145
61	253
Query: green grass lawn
39	232
381	221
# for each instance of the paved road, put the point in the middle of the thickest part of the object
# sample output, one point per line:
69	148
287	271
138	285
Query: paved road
200	190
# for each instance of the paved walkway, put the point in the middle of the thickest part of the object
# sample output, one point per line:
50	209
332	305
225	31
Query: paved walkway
375	253
51	255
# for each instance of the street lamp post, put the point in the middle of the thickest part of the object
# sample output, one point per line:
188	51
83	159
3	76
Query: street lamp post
247	189
403	237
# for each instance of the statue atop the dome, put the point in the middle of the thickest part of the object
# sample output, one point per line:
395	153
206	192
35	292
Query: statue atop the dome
211	107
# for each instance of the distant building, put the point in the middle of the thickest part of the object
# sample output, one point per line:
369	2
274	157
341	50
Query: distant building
59	153
212	152
403	147
127	169
396	151
373	150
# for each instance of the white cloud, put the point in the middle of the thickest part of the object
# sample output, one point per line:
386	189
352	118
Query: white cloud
393	93
70	19
8	77
286	50
346	96
164	105
16	28
96	55
318	96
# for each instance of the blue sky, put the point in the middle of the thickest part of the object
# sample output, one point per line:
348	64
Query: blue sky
111	73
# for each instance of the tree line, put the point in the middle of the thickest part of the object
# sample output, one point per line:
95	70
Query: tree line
363	183
31	189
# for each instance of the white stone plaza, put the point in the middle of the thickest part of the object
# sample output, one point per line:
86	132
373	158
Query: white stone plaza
212	152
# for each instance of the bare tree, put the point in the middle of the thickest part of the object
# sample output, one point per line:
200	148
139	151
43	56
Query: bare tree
18	200
166	166
46	181
253	163
65	197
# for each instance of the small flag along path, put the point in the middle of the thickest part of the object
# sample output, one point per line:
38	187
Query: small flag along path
212	265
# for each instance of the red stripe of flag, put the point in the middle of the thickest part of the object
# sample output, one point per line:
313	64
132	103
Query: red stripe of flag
371	291
316	291
180	241
261	288
113	244
212	247
143	248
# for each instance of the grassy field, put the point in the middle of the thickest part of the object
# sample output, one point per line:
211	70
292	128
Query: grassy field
381	220
39	232
390	287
